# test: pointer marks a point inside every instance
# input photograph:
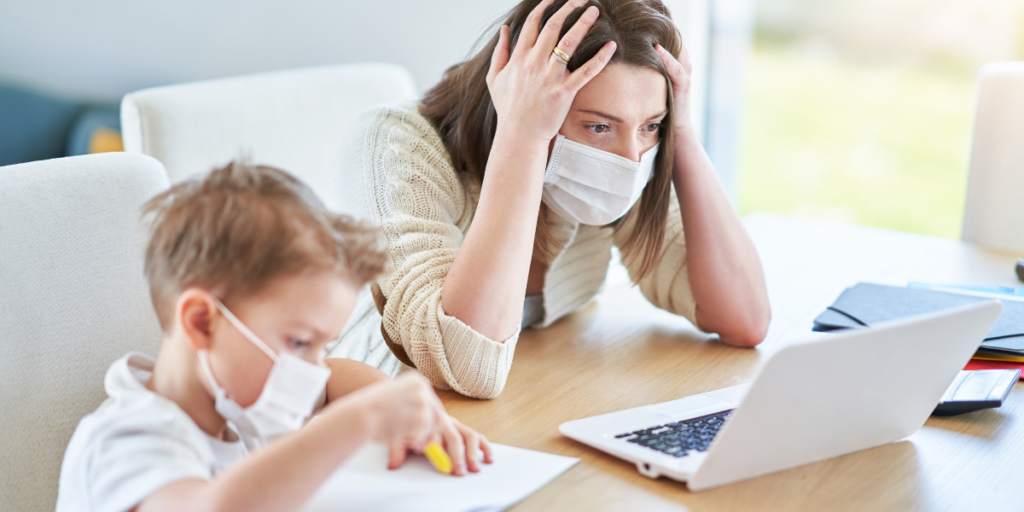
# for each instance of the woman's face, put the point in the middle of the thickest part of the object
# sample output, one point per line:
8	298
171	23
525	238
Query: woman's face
619	111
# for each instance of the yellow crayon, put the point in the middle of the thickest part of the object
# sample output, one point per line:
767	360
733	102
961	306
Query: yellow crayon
438	457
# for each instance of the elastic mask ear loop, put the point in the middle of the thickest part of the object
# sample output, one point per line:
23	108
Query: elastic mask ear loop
245	330
205	364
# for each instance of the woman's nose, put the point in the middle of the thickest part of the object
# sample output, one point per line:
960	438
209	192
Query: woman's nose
629	149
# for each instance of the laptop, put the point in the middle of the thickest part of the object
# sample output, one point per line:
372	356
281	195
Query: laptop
812	400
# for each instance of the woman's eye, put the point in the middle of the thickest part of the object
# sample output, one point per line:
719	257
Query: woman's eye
598	128
653	127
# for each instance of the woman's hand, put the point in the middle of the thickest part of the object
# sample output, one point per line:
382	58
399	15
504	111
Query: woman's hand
680	72
531	90
724	270
463	444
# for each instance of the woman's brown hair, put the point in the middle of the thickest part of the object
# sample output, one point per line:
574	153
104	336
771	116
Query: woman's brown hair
461	110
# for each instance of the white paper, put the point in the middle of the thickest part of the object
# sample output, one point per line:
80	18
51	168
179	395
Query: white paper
365	483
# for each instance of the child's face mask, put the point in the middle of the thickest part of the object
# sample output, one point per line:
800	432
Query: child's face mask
287	399
591	186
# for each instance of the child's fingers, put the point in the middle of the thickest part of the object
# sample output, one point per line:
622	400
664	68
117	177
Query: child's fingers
426	423
456	447
396	454
472	439
485	446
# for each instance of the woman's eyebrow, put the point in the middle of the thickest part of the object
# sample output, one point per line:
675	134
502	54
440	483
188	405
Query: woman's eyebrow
616	119
600	114
659	114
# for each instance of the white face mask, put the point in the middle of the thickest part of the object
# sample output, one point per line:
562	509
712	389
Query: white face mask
287	399
591	186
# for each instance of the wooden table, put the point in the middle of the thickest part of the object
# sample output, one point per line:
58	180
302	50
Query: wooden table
621	352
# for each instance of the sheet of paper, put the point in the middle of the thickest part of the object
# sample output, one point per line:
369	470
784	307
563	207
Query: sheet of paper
365	483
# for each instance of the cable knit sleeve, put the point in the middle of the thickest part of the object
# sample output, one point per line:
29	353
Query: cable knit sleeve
668	285
424	208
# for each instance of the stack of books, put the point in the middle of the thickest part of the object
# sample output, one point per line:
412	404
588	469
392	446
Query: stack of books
1008	356
986	360
866	304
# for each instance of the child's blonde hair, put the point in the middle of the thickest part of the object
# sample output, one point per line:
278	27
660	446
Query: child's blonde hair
241	226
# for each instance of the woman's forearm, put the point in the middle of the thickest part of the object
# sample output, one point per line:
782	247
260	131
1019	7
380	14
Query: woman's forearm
486	283
724	269
531	95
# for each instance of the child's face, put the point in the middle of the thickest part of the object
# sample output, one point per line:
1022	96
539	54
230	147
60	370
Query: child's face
298	314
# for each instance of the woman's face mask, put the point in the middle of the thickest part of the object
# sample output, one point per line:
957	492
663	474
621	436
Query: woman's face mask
288	397
591	186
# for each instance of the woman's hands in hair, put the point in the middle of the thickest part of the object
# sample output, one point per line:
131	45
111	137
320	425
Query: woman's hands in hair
725	272
680	71
531	90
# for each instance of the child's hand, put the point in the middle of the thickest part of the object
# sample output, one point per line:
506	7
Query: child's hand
463	444
403	410
407	414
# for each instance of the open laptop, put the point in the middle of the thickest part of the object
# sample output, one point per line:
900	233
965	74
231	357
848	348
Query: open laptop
811	400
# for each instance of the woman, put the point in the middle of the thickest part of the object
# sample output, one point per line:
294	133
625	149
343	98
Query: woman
568	133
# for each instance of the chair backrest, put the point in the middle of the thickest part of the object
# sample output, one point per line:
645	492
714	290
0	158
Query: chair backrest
994	211
294	120
73	299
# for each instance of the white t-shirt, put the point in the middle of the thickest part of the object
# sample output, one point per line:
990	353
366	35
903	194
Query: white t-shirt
134	444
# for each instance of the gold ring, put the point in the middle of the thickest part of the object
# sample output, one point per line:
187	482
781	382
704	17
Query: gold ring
560	56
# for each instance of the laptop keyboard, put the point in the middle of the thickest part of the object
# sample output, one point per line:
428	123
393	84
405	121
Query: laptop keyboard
680	437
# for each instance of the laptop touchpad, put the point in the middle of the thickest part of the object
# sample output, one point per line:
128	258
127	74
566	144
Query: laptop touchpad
688	405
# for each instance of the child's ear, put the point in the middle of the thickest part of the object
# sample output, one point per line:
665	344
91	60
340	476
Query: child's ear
193	315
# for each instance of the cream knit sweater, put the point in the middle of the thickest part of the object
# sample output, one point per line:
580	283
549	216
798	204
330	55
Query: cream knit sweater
403	179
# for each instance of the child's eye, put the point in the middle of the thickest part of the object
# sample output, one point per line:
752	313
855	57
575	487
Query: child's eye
598	128
296	343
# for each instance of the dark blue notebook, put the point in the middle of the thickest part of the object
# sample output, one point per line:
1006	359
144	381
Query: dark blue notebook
867	304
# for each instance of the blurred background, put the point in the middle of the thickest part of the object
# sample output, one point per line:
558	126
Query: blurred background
860	111
853	111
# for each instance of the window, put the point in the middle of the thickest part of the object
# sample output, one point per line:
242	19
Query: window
861	111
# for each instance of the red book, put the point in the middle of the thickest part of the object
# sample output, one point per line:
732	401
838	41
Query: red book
977	364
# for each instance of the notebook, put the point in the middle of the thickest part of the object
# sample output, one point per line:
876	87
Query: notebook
867	304
364	483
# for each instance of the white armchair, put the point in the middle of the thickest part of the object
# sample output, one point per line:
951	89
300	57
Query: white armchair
291	119
994	211
73	299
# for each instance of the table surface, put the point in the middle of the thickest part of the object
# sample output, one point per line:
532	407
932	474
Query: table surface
621	352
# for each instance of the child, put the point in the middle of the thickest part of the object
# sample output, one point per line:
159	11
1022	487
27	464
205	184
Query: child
251	277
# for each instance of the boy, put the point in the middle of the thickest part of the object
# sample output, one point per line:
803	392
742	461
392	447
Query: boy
251	277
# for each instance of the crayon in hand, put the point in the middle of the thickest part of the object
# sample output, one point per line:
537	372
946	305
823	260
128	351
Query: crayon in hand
438	457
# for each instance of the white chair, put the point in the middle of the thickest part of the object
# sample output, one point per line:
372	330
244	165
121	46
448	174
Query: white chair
73	299
994	211
294	120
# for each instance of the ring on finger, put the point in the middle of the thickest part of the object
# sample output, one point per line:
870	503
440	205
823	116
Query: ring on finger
560	55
